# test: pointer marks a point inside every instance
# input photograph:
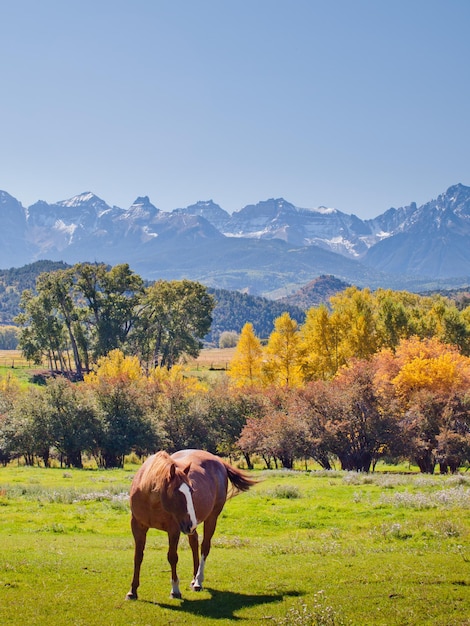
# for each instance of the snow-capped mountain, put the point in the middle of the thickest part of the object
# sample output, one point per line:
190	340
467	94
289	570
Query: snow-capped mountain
430	240
212	212
278	219
260	248
54	228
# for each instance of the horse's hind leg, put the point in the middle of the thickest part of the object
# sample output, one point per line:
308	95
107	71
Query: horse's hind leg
209	529
140	537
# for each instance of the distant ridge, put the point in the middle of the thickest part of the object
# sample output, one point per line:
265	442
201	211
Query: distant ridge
316	292
267	248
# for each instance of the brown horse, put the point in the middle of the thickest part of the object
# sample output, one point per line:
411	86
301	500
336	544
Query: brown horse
176	493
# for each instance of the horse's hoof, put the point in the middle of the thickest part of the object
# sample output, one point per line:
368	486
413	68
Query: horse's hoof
196	587
175	595
131	596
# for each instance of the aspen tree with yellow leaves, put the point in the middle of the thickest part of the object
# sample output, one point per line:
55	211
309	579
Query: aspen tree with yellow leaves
282	365
246	364
319	345
354	309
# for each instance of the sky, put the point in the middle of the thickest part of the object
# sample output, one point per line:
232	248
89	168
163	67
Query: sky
359	105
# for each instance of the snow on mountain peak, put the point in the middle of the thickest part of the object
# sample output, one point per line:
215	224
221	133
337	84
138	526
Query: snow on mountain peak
83	198
325	210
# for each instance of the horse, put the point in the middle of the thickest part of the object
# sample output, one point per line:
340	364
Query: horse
174	494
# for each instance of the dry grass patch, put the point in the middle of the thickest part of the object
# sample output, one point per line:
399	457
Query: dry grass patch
213	358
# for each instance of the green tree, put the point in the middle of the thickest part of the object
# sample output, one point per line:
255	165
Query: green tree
119	389
72	420
174	318
81	311
226	412
456	331
42	334
112	297
30	429
393	320
57	288
9	389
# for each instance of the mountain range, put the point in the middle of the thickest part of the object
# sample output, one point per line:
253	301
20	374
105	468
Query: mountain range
270	248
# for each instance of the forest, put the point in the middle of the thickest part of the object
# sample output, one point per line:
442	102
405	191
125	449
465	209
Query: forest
371	376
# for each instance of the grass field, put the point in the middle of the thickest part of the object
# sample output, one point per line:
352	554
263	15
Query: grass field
14	365
211	364
325	548
12	359
215	358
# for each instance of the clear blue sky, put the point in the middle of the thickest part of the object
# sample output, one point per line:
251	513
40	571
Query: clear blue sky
354	104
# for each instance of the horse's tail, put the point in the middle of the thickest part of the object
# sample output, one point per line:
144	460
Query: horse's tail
240	480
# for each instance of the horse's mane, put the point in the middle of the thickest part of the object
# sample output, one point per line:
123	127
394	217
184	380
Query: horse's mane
157	472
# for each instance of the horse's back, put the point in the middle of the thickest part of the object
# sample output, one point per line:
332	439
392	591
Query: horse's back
205	467
209	479
199	457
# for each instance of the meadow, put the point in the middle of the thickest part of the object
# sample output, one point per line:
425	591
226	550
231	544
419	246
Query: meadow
300	548
211	364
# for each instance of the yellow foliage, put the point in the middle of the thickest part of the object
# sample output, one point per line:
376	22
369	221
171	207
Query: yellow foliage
115	366
386	368
443	374
423	348
422	364
319	345
9	386
246	364
282	365
177	376
353	309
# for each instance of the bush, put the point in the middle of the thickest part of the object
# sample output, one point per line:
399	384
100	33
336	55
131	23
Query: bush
228	339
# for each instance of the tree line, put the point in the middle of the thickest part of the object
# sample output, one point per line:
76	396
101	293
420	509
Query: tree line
412	403
357	324
118	409
374	375
370	376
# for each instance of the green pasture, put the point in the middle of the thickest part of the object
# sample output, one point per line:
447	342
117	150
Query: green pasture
301	548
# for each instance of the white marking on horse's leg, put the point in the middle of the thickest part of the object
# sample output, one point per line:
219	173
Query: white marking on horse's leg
186	491
198	579
175	589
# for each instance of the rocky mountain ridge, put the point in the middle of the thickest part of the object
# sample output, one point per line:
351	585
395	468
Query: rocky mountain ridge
261	248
